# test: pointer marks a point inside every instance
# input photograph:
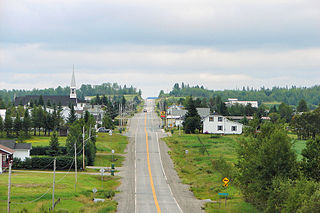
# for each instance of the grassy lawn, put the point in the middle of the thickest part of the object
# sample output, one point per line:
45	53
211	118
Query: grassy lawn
106	160
298	146
196	169
106	143
29	186
44	140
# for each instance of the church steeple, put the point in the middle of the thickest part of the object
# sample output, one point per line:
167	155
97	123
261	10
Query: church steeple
73	89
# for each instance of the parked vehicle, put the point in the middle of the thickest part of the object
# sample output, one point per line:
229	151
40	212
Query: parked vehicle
103	129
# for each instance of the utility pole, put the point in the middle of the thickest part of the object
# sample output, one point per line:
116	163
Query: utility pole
83	164
9	185
75	166
54	177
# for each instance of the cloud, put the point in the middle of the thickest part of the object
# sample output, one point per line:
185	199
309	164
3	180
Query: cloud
155	67
224	24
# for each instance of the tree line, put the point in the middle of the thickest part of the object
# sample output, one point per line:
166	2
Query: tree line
7	96
290	96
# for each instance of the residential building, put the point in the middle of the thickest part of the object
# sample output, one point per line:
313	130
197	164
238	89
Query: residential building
218	124
233	101
21	150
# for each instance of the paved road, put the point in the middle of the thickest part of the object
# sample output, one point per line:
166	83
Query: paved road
145	185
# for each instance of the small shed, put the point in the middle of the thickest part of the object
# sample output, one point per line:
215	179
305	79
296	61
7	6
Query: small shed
6	155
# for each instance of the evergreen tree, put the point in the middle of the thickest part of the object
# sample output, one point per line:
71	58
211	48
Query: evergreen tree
302	106
192	118
8	123
17	124
54	144
72	115
41	102
26	124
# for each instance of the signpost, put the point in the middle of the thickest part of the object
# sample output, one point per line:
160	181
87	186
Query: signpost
112	155
110	132
94	190
102	173
226	181
225	196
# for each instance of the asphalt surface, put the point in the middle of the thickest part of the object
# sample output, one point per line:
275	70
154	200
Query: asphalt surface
148	185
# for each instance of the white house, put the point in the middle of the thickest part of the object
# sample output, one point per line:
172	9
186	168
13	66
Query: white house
218	124
3	113
233	101
21	150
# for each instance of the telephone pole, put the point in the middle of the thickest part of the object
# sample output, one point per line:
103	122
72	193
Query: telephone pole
54	177
83	164
9	185
75	166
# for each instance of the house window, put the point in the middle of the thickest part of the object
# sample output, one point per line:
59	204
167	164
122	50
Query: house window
220	128
220	119
234	128
210	119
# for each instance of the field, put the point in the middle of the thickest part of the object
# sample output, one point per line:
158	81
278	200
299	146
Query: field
27	187
106	143
198	168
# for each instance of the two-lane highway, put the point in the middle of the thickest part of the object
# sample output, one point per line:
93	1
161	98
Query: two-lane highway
152	192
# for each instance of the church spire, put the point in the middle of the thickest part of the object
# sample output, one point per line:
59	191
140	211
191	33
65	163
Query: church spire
73	88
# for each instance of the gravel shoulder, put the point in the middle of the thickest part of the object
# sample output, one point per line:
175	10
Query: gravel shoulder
187	201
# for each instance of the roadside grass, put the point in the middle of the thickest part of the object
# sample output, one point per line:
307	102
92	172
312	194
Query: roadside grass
29	186
197	169
298	146
106	143
106	160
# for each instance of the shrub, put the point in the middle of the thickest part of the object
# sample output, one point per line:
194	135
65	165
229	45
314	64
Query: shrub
43	150
42	162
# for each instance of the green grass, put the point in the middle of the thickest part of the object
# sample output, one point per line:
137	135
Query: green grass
106	143
29	186
196	169
298	146
44	140
106	160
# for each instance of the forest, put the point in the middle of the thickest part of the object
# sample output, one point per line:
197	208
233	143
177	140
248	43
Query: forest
85	90
290	96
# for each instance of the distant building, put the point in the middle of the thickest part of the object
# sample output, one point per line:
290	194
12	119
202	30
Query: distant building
21	150
64	100
233	101
176	115
3	113
218	124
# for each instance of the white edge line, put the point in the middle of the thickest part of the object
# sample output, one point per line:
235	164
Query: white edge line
135	169
165	176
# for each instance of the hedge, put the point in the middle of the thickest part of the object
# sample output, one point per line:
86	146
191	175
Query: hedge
43	150
46	163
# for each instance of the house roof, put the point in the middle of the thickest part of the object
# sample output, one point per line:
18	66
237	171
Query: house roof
65	100
6	149
11	144
203	112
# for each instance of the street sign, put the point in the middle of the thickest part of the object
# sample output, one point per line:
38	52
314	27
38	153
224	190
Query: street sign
112	151
186	151
102	170
225	181
223	194
163	114
110	132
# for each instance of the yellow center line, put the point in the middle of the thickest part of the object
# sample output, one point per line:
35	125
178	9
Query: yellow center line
149	167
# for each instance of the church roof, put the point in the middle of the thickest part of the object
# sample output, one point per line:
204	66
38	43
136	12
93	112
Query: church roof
64	100
73	81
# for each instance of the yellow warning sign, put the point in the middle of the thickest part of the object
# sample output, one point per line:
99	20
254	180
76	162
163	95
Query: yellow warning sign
225	181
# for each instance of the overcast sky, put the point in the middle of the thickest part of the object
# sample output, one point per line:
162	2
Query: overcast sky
153	44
